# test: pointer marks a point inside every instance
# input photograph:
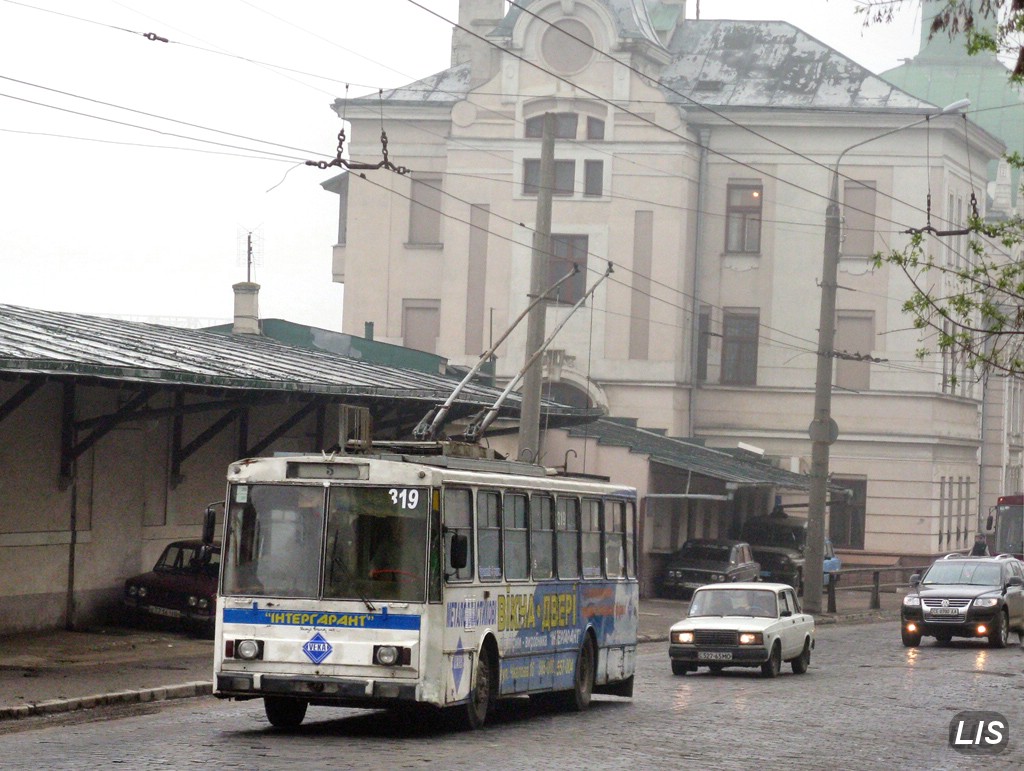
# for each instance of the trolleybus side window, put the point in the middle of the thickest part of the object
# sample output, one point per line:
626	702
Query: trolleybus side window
567	525
631	540
488	522
458	521
590	540
517	565
542	536
614	539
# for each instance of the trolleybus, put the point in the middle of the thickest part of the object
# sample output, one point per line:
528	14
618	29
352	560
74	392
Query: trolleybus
391	579
1007	522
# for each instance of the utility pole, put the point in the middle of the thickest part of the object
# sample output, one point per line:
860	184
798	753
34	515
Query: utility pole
529	417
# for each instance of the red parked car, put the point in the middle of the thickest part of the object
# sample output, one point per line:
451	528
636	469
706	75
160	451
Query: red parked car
181	586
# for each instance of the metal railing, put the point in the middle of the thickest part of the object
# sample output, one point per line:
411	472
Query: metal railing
870	579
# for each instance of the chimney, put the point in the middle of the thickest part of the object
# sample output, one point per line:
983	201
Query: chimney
247	314
480	17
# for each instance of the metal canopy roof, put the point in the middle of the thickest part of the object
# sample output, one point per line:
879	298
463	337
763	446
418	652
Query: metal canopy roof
724	465
56	344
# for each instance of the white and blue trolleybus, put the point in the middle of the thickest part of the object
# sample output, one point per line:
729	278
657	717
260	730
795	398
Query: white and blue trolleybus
414	576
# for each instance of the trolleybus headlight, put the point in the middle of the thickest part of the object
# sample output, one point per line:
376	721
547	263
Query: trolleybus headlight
392	655
249	649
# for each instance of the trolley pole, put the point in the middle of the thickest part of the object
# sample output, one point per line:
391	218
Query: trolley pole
529	417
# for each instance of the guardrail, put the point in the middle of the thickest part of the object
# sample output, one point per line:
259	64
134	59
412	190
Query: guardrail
874	583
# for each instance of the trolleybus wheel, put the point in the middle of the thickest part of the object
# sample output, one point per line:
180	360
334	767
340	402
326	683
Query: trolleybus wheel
284	713
479	703
583	680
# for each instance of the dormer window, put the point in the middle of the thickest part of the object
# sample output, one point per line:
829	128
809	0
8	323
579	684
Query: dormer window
566	126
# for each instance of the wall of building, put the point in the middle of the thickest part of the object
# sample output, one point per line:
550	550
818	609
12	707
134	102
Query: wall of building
122	499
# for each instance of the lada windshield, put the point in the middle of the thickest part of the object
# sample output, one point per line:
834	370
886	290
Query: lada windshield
703	552
968	573
734	602
370	545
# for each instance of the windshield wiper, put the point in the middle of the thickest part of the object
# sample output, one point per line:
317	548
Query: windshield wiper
337	560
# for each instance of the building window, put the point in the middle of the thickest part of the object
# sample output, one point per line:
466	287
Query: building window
855	337
421	324
739	347
847	514
566	251
593	178
743	219
565	177
595	128
425	211
703	343
859	215
565	126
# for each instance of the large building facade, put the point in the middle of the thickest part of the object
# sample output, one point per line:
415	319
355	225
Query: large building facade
695	157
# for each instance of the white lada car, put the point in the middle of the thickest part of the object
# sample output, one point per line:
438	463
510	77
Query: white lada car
742	625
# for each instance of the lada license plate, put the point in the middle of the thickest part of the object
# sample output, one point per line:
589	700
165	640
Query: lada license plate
165	612
714	655
944	612
692	584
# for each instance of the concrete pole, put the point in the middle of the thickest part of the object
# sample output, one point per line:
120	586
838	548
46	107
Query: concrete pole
529	418
823	429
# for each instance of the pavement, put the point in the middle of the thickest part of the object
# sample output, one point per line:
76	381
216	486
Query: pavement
62	671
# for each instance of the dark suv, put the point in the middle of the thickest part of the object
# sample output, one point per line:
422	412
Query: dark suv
961	596
707	561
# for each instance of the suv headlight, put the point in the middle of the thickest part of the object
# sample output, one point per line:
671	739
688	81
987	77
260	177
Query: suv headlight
912	601
986	602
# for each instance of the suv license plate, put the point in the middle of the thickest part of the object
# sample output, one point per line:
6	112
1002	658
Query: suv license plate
714	656
944	612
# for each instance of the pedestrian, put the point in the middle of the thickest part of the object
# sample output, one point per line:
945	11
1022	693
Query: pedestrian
980	548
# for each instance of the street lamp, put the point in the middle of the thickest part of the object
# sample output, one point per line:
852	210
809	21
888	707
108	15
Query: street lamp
823	429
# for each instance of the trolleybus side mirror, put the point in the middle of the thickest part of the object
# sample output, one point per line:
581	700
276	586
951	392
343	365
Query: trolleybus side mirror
989	523
458	552
210	521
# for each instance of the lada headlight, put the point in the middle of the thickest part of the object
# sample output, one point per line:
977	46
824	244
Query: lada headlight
142	591
683	638
717	577
751	638
912	601
986	602
133	590
193	601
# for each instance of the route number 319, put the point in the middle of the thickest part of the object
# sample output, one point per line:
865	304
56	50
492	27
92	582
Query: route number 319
406	499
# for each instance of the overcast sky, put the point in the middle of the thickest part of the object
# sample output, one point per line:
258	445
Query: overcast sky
99	215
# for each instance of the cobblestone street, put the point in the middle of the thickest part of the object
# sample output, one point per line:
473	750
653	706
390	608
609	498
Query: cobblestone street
866	703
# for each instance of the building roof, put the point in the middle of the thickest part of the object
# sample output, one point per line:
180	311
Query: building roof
56	344
723	63
718	63
738	466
